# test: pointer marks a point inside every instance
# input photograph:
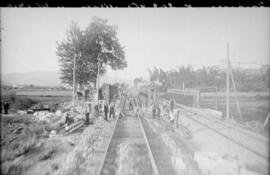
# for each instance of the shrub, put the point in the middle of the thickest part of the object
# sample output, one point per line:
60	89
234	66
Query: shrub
20	146
47	154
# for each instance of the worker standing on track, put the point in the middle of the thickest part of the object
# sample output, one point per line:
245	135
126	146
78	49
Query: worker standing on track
130	105
106	110
177	115
154	110
139	107
158	111
96	111
68	120
112	111
87	113
171	114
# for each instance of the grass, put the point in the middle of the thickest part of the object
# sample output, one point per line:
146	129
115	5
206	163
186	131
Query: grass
23	139
44	152
20	134
23	144
76	161
48	152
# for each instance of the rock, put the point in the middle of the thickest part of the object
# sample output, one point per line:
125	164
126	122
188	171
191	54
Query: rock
30	111
58	112
52	134
67	127
50	115
21	112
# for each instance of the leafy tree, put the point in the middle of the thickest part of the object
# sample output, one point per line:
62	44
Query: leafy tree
136	81
97	42
211	76
154	75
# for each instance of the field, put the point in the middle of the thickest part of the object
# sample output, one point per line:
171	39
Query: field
24	99
254	106
36	92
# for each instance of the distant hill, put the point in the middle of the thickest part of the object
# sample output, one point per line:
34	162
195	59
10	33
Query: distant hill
39	78
46	78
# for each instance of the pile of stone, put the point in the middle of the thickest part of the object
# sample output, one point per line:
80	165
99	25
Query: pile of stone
49	116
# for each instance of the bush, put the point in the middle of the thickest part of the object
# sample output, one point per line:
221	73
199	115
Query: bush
20	146
47	154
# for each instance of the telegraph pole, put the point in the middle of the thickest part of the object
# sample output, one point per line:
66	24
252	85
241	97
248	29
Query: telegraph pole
228	86
174	81
98	80
74	84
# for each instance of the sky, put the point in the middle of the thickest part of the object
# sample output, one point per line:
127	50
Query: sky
152	37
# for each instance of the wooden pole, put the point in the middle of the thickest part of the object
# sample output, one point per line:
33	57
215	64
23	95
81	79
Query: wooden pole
228	86
235	96
216	99
174	81
74	73
98	81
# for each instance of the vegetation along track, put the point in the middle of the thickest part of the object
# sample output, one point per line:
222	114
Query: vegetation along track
128	151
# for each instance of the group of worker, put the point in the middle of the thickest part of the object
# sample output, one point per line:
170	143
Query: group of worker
156	111
105	110
169	112
166	111
135	105
109	109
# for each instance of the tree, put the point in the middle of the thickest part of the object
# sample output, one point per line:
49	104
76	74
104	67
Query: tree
154	75
136	81
97	42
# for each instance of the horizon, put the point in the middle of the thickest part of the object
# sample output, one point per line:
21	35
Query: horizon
197	37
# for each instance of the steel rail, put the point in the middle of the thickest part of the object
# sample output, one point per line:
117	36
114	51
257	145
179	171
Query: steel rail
107	147
242	130
153	163
225	136
229	138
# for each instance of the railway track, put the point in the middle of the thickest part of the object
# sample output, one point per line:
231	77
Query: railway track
128	135
233	126
258	147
